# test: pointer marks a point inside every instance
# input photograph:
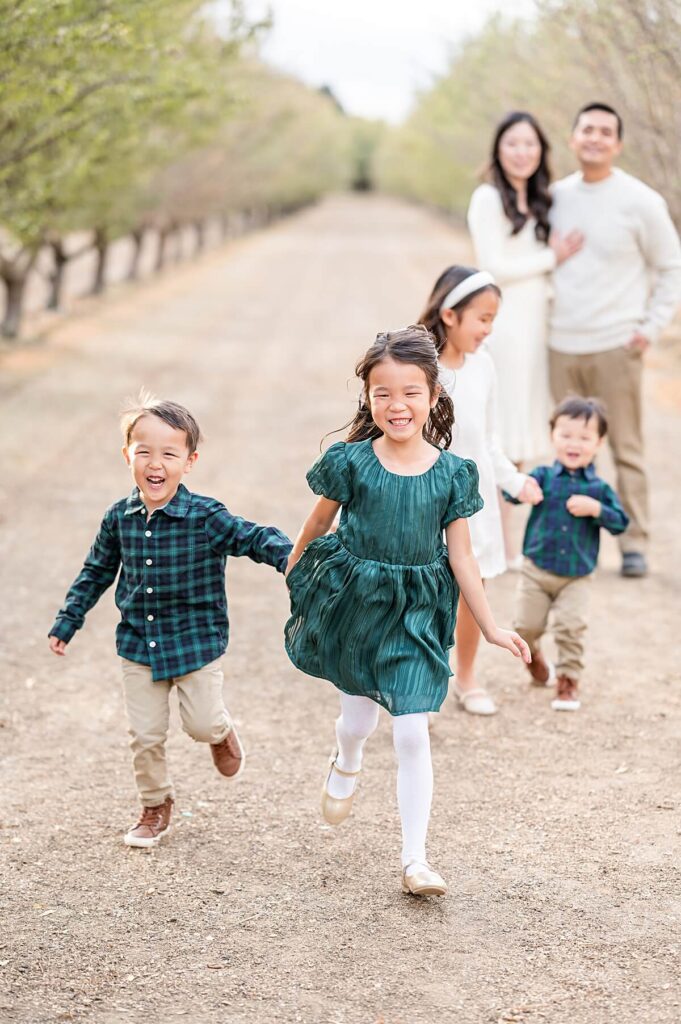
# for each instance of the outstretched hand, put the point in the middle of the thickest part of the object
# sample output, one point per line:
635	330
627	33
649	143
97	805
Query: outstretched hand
512	642
530	493
57	646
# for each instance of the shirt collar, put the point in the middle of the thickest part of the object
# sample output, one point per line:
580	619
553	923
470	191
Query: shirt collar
588	472
178	506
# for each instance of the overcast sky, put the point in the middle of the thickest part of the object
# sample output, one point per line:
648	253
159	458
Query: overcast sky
373	53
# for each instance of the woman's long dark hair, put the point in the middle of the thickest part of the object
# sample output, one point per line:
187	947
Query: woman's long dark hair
538	195
448	279
414	345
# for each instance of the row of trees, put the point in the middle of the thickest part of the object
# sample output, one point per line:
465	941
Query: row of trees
119	117
626	54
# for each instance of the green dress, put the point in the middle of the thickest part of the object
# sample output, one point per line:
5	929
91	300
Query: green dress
373	606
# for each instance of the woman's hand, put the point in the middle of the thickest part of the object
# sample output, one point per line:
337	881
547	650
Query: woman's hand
511	641
566	246
530	493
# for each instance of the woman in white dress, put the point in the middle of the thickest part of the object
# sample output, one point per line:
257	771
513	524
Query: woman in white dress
460	313
508	219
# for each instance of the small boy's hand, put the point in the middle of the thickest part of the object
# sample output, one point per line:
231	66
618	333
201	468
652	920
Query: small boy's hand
530	493
512	642
583	505
57	646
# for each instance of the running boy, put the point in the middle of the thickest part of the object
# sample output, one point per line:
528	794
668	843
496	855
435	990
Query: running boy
171	546
561	546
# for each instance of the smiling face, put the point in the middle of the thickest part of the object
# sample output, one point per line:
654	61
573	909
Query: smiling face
158	457
400	399
519	151
594	139
576	441
466	335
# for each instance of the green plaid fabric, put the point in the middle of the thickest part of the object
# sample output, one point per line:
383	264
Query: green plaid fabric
171	588
562	543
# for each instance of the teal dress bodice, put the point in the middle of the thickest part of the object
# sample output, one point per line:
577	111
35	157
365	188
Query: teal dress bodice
373	606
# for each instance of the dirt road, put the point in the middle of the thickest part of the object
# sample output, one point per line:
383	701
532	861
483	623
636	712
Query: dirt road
559	836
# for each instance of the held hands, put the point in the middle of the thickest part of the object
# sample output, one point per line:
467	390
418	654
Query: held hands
513	642
639	342
530	493
566	246
57	646
582	505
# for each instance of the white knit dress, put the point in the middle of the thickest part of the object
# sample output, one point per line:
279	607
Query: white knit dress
472	389
522	268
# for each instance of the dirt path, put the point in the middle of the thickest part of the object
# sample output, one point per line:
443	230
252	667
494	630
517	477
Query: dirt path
559	835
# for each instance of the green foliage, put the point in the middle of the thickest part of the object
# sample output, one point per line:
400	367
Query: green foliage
626	54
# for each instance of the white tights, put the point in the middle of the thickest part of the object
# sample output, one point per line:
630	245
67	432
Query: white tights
358	719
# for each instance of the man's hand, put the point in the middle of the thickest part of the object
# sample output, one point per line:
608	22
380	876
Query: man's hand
566	246
583	505
639	342
57	646
530	493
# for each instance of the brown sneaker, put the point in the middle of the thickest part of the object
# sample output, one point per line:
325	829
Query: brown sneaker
228	755
153	824
567	696
543	672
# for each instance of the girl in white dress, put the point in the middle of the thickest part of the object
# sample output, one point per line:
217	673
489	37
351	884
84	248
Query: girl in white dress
460	313
509	225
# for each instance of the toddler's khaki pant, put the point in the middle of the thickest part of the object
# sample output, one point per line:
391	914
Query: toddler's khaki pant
541	592
202	710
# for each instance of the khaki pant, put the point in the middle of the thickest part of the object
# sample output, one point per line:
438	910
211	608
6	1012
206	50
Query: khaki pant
615	377
541	592
202	710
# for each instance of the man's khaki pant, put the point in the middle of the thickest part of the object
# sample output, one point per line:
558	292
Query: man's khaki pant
541	592
615	377
202	710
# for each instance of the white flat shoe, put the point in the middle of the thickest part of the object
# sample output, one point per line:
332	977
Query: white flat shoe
475	702
336	809
423	882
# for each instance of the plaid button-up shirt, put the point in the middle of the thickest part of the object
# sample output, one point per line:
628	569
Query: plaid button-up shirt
171	589
555	539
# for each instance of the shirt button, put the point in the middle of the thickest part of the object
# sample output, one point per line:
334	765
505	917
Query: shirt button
562	551
147	533
564	528
150	590
152	643
149	561
150	618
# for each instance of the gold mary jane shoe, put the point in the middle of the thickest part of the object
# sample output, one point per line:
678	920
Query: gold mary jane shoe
423	882
334	809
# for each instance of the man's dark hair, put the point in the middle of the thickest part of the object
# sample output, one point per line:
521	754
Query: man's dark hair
607	109
577	408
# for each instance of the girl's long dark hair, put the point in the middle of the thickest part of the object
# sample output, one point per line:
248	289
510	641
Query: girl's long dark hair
538	195
448	279
414	345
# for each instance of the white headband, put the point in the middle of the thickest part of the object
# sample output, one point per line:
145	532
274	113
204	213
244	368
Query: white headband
466	287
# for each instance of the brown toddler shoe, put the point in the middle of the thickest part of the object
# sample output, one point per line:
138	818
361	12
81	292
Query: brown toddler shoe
543	672
228	755
153	824
567	696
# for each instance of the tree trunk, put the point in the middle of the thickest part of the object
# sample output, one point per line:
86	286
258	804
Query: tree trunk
101	244
138	241
200	229
162	251
225	225
57	276
14	304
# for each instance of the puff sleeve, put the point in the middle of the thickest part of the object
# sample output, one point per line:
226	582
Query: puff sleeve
330	475
465	498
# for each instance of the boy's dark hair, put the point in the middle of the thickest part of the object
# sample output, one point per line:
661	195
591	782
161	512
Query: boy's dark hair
448	279
577	408
171	413
600	106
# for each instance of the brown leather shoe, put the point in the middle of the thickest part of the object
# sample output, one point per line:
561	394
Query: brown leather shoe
153	824
567	695
228	755
543	672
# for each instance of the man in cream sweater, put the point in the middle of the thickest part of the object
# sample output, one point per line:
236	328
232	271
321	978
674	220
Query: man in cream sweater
612	300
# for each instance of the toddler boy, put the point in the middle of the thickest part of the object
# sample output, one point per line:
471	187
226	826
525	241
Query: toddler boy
171	547
561	546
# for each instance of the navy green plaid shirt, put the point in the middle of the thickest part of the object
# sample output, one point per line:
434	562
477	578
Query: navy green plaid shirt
555	539
171	590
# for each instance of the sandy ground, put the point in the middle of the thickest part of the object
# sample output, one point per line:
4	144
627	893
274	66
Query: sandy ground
559	835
